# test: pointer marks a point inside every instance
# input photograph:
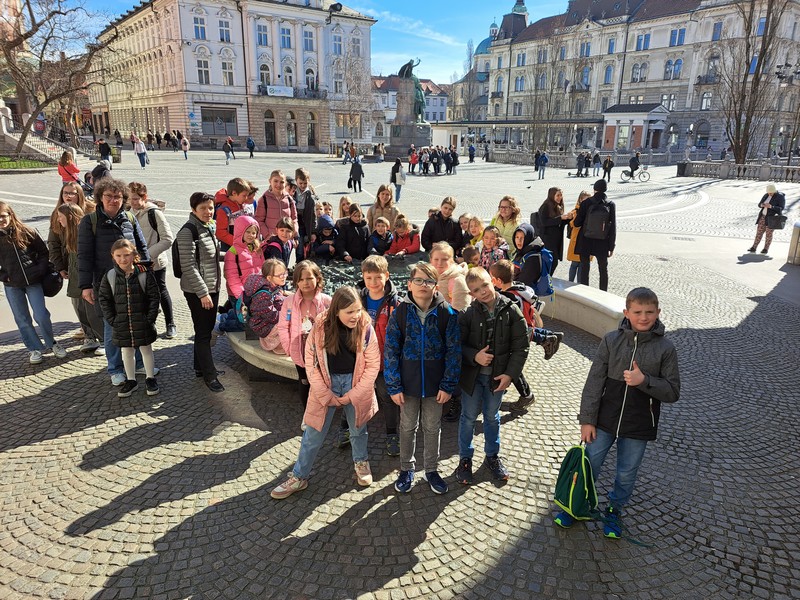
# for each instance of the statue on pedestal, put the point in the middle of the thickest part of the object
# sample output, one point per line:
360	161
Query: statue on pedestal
407	72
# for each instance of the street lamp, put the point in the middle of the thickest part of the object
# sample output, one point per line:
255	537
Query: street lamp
337	7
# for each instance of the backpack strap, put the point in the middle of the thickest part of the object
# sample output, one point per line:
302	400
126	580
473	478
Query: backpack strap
112	279
151	217
93	221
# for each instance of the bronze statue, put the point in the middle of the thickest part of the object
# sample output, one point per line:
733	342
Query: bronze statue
407	72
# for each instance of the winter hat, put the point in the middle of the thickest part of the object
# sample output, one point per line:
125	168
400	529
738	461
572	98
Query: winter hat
771	189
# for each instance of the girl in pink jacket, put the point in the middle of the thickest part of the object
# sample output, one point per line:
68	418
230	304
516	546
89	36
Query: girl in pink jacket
274	204
298	314
342	362
243	258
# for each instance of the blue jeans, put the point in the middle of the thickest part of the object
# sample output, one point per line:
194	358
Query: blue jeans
541	171
630	453
18	299
397	189
574	269
341	383
142	159
483	399
229	321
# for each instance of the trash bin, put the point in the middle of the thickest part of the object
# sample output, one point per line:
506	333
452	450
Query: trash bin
794	245
682	168
116	154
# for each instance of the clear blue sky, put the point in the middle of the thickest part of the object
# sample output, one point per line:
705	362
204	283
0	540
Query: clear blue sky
435	31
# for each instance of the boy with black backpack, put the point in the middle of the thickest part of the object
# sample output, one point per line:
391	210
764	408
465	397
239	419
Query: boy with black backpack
635	370
597	220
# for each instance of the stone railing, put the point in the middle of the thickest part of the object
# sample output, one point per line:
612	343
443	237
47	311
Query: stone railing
725	169
517	154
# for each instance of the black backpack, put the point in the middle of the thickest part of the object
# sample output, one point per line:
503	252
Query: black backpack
597	224
176	256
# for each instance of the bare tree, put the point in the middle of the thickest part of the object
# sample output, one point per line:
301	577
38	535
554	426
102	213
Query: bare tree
44	49
743	75
354	101
465	89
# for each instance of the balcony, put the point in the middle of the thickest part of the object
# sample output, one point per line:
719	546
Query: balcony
497	94
298	92
709	79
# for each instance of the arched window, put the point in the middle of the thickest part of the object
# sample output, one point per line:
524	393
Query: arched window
561	79
311	130
636	72
579	107
268	114
643	76
496	110
705	101
311	80
676	71
542	81
668	69
290	115
609	75
291	129
486	66
499	87
585	76
379	129
288	77
263	72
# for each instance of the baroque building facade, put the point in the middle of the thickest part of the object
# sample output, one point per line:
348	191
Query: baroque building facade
287	73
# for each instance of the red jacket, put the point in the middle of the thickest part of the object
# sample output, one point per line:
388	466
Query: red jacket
408	242
226	211
69	172
381	322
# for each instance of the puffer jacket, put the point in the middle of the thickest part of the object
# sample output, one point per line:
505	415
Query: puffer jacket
159	241
385	310
21	267
240	261
291	322
226	211
271	209
353	240
622	410
509	344
453	286
199	277
94	247
529	258
361	396
439	229
375	211
417	361
265	307
408	242
129	309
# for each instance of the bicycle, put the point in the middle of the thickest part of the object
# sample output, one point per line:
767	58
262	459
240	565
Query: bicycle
642	175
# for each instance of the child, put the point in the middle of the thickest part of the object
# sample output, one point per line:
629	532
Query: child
324	245
572	234
298	313
475	230
421	368
344	207
432	211
379	297
327	208
129	298
527	255
343	350
494	347
406	238
635	370
381	239
494	247
306	201
229	203
382	207
352	241
319	210
67	168
463	222
282	244
263	294
471	256
274	204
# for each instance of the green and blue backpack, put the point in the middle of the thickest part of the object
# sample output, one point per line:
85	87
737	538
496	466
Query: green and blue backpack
575	490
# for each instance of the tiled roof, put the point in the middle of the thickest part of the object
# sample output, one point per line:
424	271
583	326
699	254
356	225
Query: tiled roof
632	108
578	10
656	9
542	29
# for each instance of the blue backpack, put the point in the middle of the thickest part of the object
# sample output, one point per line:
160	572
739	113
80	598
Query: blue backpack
544	285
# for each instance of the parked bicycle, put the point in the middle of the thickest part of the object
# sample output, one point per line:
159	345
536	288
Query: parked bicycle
642	175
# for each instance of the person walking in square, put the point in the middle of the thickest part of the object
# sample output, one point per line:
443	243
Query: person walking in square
771	204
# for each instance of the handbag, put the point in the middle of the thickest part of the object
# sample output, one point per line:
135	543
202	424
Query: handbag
776	221
52	282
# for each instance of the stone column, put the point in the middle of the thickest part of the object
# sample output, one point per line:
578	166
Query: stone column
300	76
277	75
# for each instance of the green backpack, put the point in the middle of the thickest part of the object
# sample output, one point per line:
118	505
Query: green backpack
575	491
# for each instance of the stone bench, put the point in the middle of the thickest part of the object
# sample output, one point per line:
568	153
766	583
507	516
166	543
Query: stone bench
587	308
251	351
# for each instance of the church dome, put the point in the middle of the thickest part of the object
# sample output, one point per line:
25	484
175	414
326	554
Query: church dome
483	47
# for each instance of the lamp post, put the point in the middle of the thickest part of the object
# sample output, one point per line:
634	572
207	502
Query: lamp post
689	134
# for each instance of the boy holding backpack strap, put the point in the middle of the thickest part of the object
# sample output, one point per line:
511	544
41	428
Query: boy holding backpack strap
597	220
635	370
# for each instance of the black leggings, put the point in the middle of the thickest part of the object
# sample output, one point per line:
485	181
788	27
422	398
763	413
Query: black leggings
602	264
166	301
203	320
303	386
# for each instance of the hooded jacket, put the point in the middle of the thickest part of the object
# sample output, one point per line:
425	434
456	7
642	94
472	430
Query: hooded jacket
21	267
417	361
240	261
439	229
130	310
361	396
320	248
453	286
385	310
408	242
226	211
622	410
271	209
265	307
291	322
159	241
352	240
529	258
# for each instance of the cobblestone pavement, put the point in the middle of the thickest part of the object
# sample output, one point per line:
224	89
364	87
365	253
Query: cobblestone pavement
168	497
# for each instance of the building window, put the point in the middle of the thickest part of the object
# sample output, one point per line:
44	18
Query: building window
308	41
579	107
561	80
199	28
288	77
519	84
762	22
203	73
517	109
291	129
668	66
676	71
643	42
603	104
337	44
705	101
669	101
219	121
557	107
356	45
441	116
562	53
311	79
264	75
499	87
753	64
677	37
224	31
586	49
262	38
286	37
499	62
542	81
227	72
609	75
338	83
521	59
636	99
612	45
496	110
486	66
585	77
716	33
623	135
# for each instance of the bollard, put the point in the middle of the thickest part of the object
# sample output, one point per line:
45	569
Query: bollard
794	245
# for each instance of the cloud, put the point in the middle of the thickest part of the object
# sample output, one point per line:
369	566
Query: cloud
408	26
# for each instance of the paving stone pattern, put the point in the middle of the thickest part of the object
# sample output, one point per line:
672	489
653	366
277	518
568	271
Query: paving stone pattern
168	497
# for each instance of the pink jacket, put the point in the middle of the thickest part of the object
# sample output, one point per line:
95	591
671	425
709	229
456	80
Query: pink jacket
271	209
361	396
248	262
291	321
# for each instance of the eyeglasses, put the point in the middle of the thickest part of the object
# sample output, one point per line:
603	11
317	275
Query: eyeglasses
112	196
429	283
65	193
5	216
502	207
281	274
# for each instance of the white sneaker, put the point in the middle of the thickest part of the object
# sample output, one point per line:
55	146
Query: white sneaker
363	473
142	371
100	351
117	379
35	357
59	351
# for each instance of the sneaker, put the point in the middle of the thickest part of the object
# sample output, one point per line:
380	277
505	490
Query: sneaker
172	331
128	388
404	481
438	485
100	351
523	403
612	523
35	357
289	487
454	413
751	249
550	346
564	519
343	438
363	473
152	386
89	346
117	379
393	445
59	351
464	471
142	371
495	465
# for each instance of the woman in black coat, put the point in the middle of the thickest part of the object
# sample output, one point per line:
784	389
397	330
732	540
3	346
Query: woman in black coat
352	241
553	221
602	247
356	174
771	204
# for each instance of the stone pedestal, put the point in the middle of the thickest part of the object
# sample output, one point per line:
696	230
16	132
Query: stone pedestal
405	128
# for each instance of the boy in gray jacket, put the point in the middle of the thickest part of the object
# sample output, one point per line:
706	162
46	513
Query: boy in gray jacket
636	369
